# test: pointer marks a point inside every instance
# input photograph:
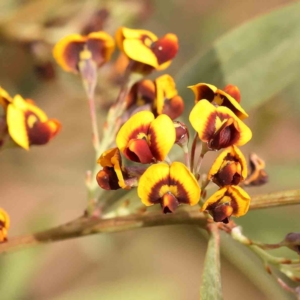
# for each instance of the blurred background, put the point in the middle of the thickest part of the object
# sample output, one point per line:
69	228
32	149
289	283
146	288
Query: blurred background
45	186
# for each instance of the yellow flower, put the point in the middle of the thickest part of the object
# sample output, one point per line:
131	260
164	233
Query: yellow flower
160	95
213	94
219	127
230	168
4	225
146	139
169	186
227	201
26	124
144	48
70	50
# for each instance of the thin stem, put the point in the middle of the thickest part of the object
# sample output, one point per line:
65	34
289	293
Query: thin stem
193	150
110	130
95	137
204	149
275	199
186	156
88	72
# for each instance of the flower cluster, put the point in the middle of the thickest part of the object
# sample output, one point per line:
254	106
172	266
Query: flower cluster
149	131
23	124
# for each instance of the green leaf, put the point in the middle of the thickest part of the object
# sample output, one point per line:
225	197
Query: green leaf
211	288
261	57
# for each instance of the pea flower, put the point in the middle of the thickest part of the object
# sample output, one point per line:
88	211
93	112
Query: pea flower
227	201
146	49
160	95
26	124
258	175
4	225
222	98
219	127
68	51
114	175
169	186
230	168
146	139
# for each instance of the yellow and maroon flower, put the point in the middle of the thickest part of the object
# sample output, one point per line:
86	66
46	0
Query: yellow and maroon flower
29	125
204	91
144	48
219	127
169	186
68	51
160	95
113	175
258	175
146	139
167	99
227	201
142	93
4	225
230	168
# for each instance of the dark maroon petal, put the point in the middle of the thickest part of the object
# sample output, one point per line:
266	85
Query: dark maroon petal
173	107
165	48
226	136
71	54
138	150
169	203
98	49
107	179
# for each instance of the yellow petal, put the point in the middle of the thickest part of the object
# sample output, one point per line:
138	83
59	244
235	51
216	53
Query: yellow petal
236	151
187	188
16	122
138	51
226	100
105	160
165	89
60	51
154	183
203	91
162	136
203	119
4	218
214	198
5	98
241	200
127	33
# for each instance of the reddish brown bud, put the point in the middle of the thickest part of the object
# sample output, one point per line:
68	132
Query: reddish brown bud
233	91
292	241
107	179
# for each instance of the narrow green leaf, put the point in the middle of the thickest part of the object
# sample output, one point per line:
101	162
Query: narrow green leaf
211	288
261	57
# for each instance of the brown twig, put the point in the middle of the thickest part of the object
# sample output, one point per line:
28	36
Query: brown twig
87	225
84	226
